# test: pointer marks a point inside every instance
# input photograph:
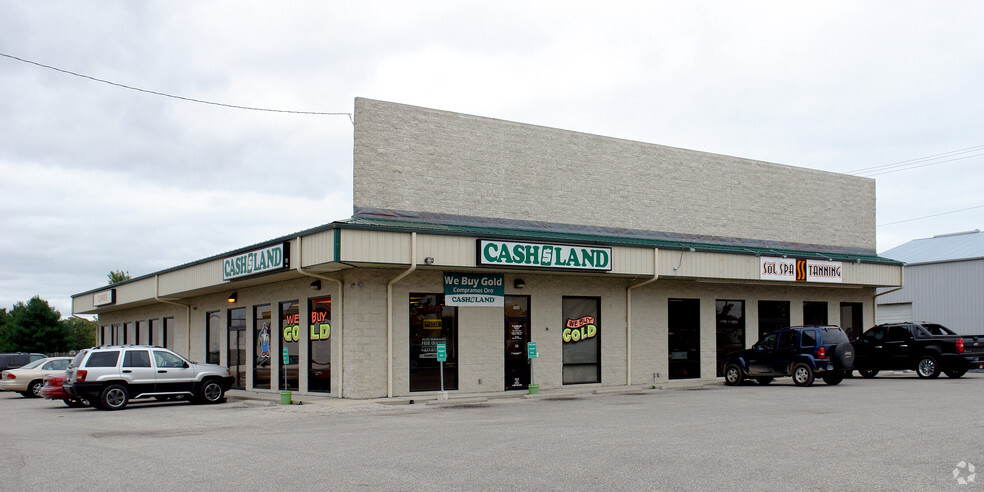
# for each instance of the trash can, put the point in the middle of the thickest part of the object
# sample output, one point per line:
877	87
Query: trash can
534	389
285	397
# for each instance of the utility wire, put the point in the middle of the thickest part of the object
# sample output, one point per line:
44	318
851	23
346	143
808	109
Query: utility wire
919	162
930	216
156	93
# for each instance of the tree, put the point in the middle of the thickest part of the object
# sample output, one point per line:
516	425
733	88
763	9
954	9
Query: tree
35	327
4	336
81	333
117	276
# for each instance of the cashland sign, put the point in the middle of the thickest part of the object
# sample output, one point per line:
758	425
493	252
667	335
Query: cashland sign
542	255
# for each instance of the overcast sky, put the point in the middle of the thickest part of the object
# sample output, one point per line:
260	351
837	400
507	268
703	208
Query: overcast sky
95	177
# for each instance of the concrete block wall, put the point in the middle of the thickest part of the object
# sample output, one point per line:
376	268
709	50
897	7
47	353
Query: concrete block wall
425	160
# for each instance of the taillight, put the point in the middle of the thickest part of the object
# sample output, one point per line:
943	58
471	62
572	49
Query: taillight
80	375
822	353
11	376
960	345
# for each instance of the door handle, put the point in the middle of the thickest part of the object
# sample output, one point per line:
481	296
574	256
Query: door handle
903	346
877	346
161	371
127	371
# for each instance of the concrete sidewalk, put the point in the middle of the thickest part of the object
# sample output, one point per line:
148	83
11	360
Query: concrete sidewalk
456	398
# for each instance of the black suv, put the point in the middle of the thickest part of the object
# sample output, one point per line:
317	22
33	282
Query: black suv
802	352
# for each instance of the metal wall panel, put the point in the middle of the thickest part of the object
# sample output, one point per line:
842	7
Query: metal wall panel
894	313
375	247
193	277
950	293
452	251
318	248
696	264
632	261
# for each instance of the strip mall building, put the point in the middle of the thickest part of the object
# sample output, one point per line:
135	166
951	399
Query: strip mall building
625	263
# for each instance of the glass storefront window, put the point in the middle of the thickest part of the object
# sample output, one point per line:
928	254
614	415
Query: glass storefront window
851	319
168	336
261	346
319	345
213	337
117	335
290	333
730	320
814	313
581	337
432	323
773	315
236	349
683	338
129	334
153	332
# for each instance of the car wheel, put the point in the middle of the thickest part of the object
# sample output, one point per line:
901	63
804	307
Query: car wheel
868	373
955	373
927	367
802	375
733	375
212	392
34	389
833	378
764	380
114	397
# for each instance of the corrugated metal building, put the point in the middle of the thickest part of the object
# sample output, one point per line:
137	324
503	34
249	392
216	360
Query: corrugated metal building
473	238
944	283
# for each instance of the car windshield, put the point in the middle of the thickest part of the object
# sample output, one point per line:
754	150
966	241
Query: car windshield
834	336
32	365
77	361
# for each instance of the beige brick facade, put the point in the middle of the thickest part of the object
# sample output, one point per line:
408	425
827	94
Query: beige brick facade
416	159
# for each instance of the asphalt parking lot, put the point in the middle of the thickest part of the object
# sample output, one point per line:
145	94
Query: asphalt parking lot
889	433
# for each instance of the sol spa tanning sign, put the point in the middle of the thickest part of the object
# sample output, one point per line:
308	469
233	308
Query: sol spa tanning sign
539	255
257	261
800	270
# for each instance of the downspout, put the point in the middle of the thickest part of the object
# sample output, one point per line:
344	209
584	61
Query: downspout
158	298
389	314
874	303
341	333
628	316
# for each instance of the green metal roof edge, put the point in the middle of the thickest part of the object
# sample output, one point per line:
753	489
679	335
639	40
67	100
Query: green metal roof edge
599	239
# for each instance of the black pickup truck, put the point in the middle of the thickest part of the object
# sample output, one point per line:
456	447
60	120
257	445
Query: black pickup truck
928	348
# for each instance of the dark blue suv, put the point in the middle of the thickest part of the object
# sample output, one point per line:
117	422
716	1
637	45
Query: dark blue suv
802	352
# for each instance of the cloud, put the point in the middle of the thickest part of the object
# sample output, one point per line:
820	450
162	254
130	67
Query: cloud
97	178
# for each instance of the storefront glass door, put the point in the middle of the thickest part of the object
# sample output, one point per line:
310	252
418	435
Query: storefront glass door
236	350
730	330
517	365
684	338
432	323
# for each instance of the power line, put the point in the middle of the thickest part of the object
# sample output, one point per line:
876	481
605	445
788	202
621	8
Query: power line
930	216
164	94
919	162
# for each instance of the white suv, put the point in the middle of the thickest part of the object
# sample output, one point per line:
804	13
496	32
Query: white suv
110	376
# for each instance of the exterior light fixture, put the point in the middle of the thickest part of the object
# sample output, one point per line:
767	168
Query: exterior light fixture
316	285
429	260
519	283
233	297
